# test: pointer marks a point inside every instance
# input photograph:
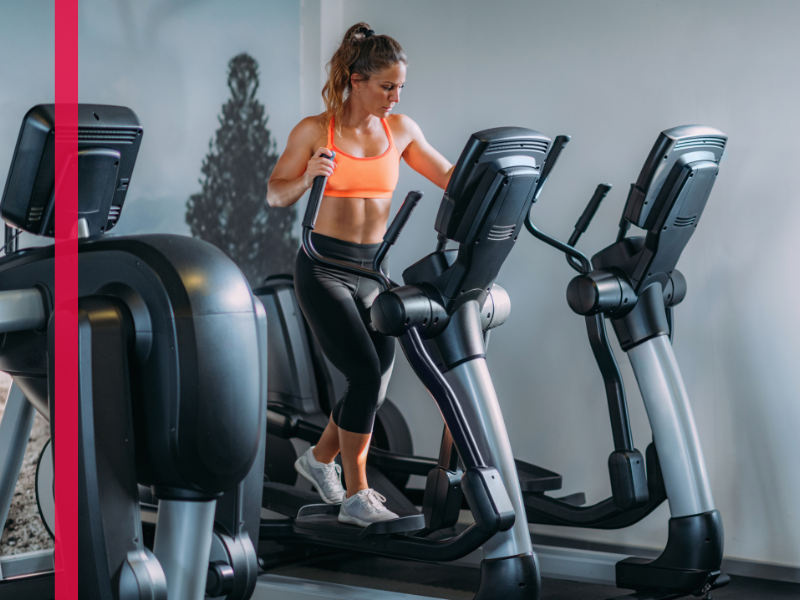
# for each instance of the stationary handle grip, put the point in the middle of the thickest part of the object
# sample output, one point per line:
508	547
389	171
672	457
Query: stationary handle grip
402	216
591	209
315	198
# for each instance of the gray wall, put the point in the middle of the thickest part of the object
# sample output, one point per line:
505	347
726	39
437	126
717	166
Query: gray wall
613	74
168	60
26	71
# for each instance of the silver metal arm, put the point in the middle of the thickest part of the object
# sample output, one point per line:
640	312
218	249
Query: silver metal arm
21	310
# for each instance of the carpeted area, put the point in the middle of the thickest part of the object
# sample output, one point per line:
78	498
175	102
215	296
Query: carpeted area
460	583
24	531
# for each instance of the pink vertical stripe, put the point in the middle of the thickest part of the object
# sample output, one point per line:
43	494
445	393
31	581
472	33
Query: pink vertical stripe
66	300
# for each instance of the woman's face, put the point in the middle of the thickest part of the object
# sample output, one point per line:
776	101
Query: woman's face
381	92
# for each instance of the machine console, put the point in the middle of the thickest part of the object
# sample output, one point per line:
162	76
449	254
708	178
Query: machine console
483	208
485	155
666	201
673	149
108	142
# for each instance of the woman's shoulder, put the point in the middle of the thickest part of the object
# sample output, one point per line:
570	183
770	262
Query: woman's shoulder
401	123
404	130
310	129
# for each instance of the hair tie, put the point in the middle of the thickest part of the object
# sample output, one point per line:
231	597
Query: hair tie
366	33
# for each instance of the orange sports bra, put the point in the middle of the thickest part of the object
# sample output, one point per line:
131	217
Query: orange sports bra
372	177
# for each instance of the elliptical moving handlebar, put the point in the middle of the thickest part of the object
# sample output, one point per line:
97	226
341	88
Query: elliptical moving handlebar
588	213
312	208
402	216
595	324
572	253
396	227
600	192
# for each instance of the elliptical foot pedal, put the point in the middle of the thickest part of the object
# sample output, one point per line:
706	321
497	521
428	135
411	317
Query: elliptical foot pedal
288	500
578	499
533	479
275	529
323	519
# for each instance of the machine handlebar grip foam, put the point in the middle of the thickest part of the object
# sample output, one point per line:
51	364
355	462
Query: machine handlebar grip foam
591	209
402	216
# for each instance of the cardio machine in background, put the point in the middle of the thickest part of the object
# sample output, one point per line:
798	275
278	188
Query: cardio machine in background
439	316
159	404
634	284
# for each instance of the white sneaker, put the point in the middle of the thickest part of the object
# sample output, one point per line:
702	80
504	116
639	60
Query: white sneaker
364	508
326	479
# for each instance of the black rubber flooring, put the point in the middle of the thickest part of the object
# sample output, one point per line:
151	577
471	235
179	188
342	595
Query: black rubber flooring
460	583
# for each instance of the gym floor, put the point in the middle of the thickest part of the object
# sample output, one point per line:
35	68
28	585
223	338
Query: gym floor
460	583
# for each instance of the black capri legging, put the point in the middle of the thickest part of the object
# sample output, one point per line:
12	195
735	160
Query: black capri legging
336	306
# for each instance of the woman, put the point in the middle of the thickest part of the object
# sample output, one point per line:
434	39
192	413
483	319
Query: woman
366	142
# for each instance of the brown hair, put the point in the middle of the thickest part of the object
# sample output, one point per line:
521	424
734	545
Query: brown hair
360	52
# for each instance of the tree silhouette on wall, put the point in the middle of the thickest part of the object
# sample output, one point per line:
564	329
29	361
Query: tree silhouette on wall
231	211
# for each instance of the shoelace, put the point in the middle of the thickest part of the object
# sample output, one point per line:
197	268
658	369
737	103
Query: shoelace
333	477
374	501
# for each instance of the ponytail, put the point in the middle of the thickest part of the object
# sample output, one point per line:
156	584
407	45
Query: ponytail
361	52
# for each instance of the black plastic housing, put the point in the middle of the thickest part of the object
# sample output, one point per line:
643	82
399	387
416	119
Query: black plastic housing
109	508
488	499
599	292
196	404
690	561
484	206
667	201
484	153
679	145
443	498
108	142
647	320
627	472
512	578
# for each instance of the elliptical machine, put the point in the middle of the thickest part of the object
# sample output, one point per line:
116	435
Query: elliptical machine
634	283
159	404
439	316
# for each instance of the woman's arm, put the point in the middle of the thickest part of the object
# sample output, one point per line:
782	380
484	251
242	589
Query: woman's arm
299	164
421	156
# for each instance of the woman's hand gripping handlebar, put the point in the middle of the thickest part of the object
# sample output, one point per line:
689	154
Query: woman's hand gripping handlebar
315	198
375	273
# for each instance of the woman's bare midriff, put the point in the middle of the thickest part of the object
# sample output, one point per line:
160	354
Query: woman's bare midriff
356	220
